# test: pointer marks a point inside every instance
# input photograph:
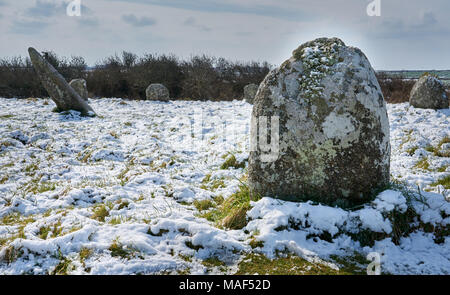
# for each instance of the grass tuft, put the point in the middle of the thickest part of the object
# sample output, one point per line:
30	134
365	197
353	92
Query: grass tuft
445	182
100	213
204	204
231	162
11	254
63	267
119	250
232	213
423	164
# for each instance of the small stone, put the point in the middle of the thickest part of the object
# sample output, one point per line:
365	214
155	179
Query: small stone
80	86
429	93
250	92
157	92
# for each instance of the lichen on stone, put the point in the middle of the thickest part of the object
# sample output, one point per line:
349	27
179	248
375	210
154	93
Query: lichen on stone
318	57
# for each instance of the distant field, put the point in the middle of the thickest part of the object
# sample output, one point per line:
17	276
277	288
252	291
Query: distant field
443	75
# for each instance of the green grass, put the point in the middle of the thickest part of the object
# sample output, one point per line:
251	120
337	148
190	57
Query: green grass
231	162
8	165
412	150
56	230
232	212
212	185
254	243
442	169
122	175
4	144
36	186
11	254
4	179
16	219
445	182
63	267
119	220
123	204
407	138
290	265
85	253
159	234
437	151
204	205
100	213
214	262
85	155
423	164
119	250
45	187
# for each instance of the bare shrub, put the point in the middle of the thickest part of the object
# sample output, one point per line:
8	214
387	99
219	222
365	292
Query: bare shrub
395	88
126	75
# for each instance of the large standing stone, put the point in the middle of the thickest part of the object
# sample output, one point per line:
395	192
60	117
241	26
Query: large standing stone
250	92
429	93
65	97
80	86
333	127
157	92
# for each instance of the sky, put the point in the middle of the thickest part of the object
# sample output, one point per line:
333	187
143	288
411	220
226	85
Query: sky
407	35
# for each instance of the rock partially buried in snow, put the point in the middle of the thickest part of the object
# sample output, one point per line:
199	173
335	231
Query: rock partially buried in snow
429	93
65	97
333	127
250	92
157	92
80	86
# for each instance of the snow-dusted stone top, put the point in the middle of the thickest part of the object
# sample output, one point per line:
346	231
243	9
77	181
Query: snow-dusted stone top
429	93
157	92
334	130
65	97
250	92
80	86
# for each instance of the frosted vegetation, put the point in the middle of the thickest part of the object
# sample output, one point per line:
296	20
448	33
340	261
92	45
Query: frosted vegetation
127	192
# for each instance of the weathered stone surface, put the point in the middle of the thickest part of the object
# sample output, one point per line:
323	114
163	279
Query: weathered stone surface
429	93
80	86
333	127
157	92
250	92
65	97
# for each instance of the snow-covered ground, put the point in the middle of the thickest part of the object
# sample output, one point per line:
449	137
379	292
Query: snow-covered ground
114	194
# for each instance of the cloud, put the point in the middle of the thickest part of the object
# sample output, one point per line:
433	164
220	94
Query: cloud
216	6
425	26
191	21
428	19
133	20
27	27
88	21
45	9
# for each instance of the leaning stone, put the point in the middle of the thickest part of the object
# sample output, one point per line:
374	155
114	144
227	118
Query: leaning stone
80	86
429	93
333	130
157	92
250	92
65	97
